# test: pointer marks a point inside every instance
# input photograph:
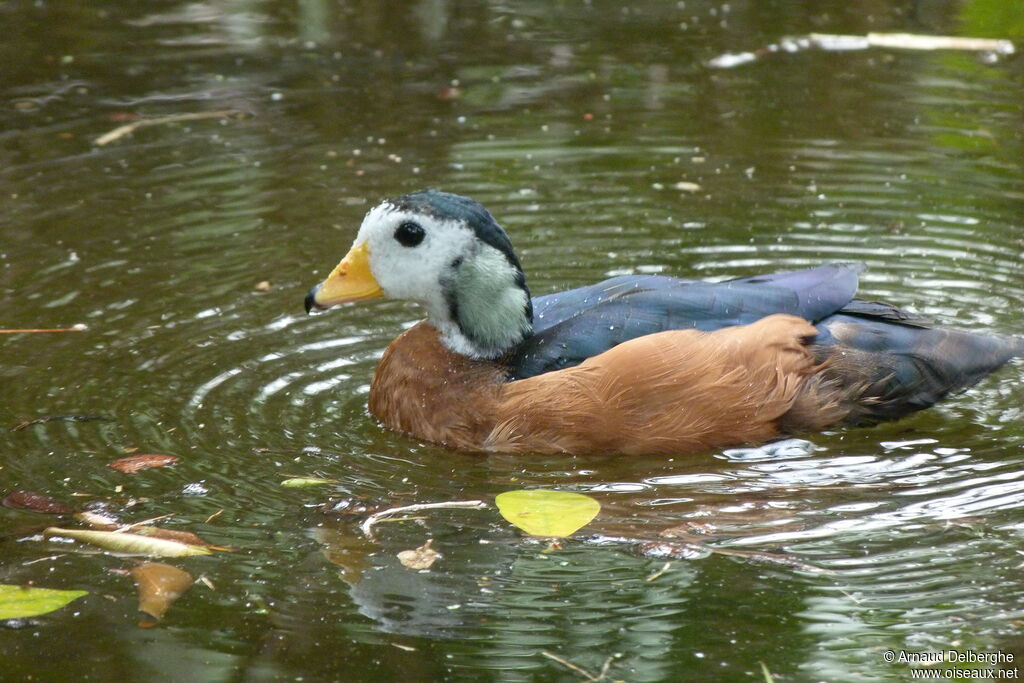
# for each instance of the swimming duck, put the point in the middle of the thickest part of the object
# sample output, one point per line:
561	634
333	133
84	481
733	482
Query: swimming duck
637	364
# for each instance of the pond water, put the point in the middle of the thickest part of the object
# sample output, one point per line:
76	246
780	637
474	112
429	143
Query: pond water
602	141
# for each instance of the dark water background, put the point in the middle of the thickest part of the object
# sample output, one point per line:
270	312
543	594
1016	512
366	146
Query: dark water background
574	122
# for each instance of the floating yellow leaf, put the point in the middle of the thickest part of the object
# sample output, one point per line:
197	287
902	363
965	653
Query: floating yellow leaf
18	602
130	543
541	512
159	585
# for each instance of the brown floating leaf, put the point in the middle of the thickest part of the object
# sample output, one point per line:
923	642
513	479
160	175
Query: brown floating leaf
130	543
421	558
137	463
37	502
159	585
186	537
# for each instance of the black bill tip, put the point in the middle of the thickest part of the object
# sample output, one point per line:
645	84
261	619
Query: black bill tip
310	301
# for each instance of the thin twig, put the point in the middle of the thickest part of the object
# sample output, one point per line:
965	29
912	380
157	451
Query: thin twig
42	559
129	128
76	328
592	678
214	516
569	665
664	568
125	528
367	526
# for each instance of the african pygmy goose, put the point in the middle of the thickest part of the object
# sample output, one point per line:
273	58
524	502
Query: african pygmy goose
637	364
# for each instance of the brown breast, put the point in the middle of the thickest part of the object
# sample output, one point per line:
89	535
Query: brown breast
424	390
672	392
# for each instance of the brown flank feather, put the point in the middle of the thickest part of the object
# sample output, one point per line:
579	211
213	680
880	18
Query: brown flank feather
668	393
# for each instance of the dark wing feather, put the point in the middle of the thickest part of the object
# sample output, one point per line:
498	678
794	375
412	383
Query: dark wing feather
891	367
572	326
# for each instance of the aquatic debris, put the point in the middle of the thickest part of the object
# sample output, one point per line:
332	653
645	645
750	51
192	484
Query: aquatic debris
420	558
587	675
367	526
19	602
348	551
686	186
159	585
137	463
37	502
130	128
106	523
543	512
843	43
74	328
658	574
131	543
304	482
60	418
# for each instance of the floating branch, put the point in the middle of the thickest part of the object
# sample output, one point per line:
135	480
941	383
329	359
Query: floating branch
832	42
130	128
367	526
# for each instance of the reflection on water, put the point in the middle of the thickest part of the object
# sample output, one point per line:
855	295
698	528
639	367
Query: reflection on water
597	137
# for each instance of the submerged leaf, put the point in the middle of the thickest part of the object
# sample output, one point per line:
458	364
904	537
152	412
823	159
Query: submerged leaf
350	552
421	558
541	512
17	602
37	502
302	482
137	463
159	585
130	543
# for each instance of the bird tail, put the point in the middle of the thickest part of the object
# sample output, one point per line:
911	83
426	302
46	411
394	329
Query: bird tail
876	370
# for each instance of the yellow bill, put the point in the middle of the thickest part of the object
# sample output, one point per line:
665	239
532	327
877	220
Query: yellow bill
351	280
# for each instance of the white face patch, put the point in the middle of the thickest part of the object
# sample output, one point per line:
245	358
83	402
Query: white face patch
451	265
413	273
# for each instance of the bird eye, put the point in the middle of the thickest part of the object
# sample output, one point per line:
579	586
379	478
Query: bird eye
409	234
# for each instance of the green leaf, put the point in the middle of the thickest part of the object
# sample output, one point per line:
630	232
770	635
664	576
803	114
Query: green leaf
540	512
134	544
17	602
303	482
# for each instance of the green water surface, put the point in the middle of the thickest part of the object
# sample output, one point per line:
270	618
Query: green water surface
604	143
